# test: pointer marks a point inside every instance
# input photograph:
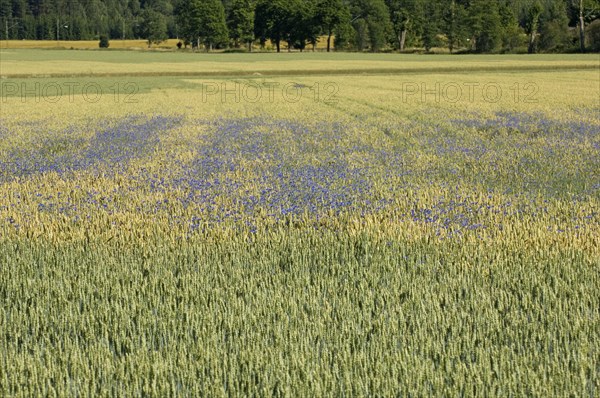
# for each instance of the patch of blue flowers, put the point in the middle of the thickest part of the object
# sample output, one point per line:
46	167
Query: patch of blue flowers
288	168
536	124
115	143
247	170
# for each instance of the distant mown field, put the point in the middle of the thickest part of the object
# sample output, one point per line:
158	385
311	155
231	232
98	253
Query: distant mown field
299	224
113	44
83	44
57	63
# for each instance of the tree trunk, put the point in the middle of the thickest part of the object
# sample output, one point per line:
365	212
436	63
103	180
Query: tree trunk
278	44
249	46
402	39
534	28
582	34
531	47
329	42
581	28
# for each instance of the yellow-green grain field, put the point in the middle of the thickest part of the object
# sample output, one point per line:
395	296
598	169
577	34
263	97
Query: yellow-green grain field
177	224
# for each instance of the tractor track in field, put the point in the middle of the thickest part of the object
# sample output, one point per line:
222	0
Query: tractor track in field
315	72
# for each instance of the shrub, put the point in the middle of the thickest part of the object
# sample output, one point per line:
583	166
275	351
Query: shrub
554	37
104	41
593	35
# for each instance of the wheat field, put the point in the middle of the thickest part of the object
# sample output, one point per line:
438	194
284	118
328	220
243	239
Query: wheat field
298	224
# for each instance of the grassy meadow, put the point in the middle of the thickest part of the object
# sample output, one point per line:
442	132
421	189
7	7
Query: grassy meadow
299	224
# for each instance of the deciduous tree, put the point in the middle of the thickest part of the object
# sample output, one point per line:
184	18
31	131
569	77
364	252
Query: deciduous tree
153	26
240	22
331	14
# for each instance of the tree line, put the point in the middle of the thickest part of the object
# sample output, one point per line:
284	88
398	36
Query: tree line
482	26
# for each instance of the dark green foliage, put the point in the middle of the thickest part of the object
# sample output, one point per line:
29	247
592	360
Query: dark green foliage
581	14
532	23
331	15
153	26
104	41
401	19
344	36
361	29
593	33
454	24
472	25
512	35
305	27
274	20
240	22
378	20
485	24
431	21
213	29
408	19
203	22
371	22
554	35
